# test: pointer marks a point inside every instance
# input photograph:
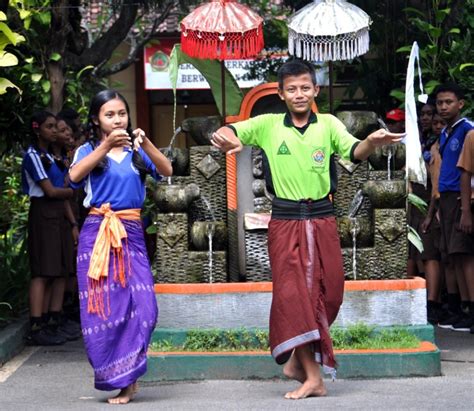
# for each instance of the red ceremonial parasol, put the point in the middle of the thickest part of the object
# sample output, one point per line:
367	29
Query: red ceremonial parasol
222	30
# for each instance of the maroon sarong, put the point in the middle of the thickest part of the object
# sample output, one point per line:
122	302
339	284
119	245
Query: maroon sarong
308	287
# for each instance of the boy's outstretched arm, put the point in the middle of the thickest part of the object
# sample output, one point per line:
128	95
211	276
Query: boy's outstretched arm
377	138
226	140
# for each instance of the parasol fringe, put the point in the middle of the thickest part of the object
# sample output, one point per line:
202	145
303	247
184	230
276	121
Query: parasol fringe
324	48
226	47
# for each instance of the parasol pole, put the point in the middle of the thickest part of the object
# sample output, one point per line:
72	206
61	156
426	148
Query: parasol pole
223	90
331	95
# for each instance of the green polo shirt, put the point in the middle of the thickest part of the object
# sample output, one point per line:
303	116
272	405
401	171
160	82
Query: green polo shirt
300	161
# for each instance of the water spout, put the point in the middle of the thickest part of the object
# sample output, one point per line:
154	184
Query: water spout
170	145
356	203
169	150
208	206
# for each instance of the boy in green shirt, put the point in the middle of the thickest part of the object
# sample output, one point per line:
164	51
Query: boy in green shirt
303	243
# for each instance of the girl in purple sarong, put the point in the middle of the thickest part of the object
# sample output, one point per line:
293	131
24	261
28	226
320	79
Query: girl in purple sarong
117	300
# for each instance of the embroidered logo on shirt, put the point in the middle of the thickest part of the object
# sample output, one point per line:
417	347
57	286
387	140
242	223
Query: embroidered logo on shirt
319	157
283	149
454	144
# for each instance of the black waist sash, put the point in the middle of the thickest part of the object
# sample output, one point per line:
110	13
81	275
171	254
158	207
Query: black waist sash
283	209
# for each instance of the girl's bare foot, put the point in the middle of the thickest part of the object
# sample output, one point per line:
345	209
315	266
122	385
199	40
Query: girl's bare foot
294	370
125	395
308	389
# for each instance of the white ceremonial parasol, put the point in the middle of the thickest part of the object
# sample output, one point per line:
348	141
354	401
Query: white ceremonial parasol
329	30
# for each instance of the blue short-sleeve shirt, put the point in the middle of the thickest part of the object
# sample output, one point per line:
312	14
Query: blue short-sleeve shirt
450	147
119	184
33	171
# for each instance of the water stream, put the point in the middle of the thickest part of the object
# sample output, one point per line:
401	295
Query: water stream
209	208
389	161
169	150
354	228
210	234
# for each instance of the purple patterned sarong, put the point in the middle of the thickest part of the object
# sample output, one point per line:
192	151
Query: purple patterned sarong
117	346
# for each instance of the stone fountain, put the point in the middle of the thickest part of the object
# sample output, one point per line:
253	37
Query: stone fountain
376	232
200	242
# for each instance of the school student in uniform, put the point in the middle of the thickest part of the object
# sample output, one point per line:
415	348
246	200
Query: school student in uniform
117	301
457	244
46	221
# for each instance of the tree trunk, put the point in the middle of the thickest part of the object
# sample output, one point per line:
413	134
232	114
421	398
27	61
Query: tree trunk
57	42
58	80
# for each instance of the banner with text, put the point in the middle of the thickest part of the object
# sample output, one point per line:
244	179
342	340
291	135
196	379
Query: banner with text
156	61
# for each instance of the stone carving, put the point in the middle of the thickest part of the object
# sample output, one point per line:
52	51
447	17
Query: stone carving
201	230
201	128
175	198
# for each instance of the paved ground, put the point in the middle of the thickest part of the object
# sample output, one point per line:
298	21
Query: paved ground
61	379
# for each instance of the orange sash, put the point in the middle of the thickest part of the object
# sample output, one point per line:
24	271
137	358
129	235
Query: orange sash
110	235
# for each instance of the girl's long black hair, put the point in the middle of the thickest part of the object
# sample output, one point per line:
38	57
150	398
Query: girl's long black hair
38	118
93	130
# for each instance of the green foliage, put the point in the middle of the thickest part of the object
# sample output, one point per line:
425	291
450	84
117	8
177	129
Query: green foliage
443	31
357	336
363	336
412	234
8	38
14	269
13	203
14	274
218	340
418	202
415	238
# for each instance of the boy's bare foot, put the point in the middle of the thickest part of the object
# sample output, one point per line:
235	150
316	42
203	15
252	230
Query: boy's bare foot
125	395
308	389
294	370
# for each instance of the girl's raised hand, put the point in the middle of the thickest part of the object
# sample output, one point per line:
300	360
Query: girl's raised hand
118	138
139	137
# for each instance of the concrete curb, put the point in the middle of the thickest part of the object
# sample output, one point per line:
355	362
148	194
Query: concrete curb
422	362
12	339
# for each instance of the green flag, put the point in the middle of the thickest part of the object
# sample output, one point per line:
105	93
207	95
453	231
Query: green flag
211	70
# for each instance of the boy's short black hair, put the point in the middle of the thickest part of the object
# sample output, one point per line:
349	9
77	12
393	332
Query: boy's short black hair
295	67
450	88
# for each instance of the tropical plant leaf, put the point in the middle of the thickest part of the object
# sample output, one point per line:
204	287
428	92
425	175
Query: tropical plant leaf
418	202
7	59
5	84
415	239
